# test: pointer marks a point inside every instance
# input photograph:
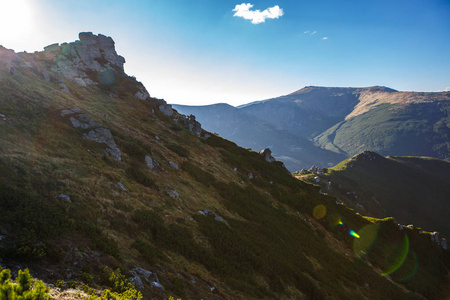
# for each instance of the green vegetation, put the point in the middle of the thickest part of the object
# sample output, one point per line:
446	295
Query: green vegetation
23	288
181	151
422	128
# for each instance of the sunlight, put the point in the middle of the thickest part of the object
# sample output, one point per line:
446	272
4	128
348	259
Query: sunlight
15	19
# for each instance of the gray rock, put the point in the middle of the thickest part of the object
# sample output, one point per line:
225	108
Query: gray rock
64	88
90	54
63	197
173	194
193	126
104	136
267	155
165	108
83	121
158	286
208	213
52	47
142	94
138	271
173	165
137	282
98	134
66	112
121	186
151	163
250	175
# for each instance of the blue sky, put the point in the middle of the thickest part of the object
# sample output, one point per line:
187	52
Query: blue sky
197	52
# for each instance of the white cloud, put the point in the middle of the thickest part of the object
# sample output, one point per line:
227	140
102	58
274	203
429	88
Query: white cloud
309	32
325	38
447	89
257	16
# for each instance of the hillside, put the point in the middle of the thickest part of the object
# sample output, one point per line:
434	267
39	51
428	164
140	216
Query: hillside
413	190
346	121
95	174
247	131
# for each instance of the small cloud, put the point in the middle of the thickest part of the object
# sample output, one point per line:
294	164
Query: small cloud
309	32
325	38
447	89
257	16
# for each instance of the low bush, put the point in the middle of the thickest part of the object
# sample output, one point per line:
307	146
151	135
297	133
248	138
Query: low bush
22	288
181	151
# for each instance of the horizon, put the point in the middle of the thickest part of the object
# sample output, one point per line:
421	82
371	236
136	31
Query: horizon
232	52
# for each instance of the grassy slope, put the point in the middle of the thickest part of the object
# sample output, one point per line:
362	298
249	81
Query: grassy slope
269	246
414	190
420	129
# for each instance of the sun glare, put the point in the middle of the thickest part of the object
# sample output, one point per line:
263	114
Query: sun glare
15	19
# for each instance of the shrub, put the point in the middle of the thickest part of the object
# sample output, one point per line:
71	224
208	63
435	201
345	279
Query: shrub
181	151
200	175
140	176
23	288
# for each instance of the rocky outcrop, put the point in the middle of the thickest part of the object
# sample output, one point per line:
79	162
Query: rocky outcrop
267	155
208	213
138	274
165	108
193	126
89	60
96	133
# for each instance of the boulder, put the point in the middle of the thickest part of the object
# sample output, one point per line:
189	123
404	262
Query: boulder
267	155
208	213
121	186
98	133
193	126
151	163
138	271
64	197
103	135
173	194
158	286
142	93
173	165
137	282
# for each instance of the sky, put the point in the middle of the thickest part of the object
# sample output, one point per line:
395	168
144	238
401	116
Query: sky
201	52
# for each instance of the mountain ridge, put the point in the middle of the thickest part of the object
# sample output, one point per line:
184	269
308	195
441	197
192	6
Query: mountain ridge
347	121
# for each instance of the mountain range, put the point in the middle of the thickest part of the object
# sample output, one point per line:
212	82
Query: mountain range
326	125
109	193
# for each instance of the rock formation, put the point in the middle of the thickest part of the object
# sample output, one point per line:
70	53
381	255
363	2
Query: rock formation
267	155
97	132
193	126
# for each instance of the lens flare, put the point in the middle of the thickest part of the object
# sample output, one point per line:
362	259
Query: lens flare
354	234
397	257
368	234
411	269
105	76
319	211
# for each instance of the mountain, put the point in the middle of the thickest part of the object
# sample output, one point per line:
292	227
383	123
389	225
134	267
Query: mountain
96	175
413	190
346	121
250	132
